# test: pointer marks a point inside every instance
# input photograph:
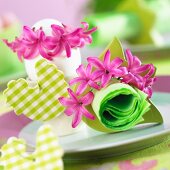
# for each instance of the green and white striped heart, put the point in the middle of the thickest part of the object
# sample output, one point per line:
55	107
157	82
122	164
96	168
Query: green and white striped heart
39	102
47	155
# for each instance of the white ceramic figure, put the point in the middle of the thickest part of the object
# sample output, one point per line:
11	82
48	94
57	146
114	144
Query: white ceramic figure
65	64
62	123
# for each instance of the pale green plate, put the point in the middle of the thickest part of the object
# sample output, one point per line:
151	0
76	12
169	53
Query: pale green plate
90	144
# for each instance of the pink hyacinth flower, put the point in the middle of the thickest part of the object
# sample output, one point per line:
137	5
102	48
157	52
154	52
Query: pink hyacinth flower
140	76
76	106
148	82
59	40
134	64
30	44
34	42
85	79
65	38
107	69
85	34
16	46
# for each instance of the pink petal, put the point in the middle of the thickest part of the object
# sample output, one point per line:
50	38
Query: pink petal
10	45
107	59
77	118
136	61
85	34
88	70
20	57
153	80
68	49
81	88
148	91
138	81
91	31
124	70
66	101
82	43
75	80
15	45
151	71
58	49
88	39
29	33
41	35
72	95
28	43
132	60
93	85
117	72
117	62
127	78
74	41
87	99
70	111
141	68
44	53
96	74
129	57
6	42
31	53
52	40
105	79
85	25
87	114
75	32
48	46
96	62
57	28
81	71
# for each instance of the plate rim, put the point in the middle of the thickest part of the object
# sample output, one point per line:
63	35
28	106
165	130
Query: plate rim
162	133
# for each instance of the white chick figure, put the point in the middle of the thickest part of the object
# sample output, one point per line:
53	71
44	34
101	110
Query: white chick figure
67	65
62	123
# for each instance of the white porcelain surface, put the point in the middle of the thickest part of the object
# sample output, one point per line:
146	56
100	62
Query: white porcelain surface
62	125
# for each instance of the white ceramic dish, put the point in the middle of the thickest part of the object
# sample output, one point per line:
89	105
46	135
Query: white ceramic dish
89	144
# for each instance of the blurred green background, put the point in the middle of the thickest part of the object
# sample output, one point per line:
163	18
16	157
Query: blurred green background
141	25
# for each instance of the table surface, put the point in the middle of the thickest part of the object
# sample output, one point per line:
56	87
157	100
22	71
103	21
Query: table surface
153	158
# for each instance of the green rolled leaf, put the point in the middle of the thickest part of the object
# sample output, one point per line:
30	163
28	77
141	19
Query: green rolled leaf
120	106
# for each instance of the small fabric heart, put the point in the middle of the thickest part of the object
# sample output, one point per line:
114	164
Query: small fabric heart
47	155
39	102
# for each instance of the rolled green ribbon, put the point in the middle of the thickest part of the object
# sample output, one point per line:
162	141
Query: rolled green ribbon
120	107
